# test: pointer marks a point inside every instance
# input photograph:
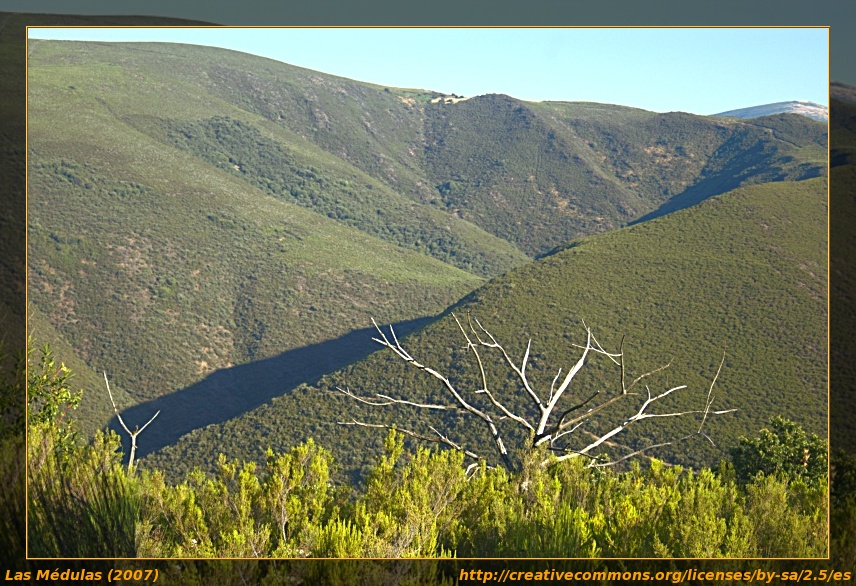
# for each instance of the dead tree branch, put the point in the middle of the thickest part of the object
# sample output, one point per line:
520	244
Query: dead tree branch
551	423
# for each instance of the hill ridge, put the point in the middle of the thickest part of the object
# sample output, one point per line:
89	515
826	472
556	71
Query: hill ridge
695	285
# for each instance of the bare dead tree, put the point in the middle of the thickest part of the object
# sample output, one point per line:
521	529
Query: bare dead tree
551	424
132	434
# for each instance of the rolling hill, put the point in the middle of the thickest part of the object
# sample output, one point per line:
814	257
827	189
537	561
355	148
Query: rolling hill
214	229
149	293
743	273
531	174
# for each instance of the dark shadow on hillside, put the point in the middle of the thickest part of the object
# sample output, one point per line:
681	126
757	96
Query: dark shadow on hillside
230	392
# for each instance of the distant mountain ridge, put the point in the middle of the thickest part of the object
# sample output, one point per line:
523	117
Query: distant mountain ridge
802	107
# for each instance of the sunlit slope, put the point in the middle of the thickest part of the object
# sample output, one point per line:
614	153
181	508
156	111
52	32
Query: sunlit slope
177	95
743	273
160	268
539	174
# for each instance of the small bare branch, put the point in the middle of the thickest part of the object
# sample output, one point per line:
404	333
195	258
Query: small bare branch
654	446
484	389
137	431
520	372
555	436
599	349
567	451
594	411
640	415
638	452
553	385
558	427
469	469
147	423
112	402
646	375
392	401
403	354
571	373
710	391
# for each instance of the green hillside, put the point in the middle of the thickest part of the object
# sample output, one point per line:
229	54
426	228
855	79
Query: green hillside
163	97
539	174
743	273
438	176
129	262
214	228
94	410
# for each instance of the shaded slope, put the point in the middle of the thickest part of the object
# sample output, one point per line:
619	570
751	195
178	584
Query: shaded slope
230	392
538	174
744	272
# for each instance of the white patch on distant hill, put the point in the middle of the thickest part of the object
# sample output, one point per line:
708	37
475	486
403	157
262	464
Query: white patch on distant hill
803	107
453	99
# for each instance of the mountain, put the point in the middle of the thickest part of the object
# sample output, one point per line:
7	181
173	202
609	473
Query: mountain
801	107
743	273
530	174
213	229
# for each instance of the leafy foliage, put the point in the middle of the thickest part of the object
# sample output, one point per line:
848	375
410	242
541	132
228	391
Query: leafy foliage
81	503
785	450
424	504
84	505
414	505
238	514
50	399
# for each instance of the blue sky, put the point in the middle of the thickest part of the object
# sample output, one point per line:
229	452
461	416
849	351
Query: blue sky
703	71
